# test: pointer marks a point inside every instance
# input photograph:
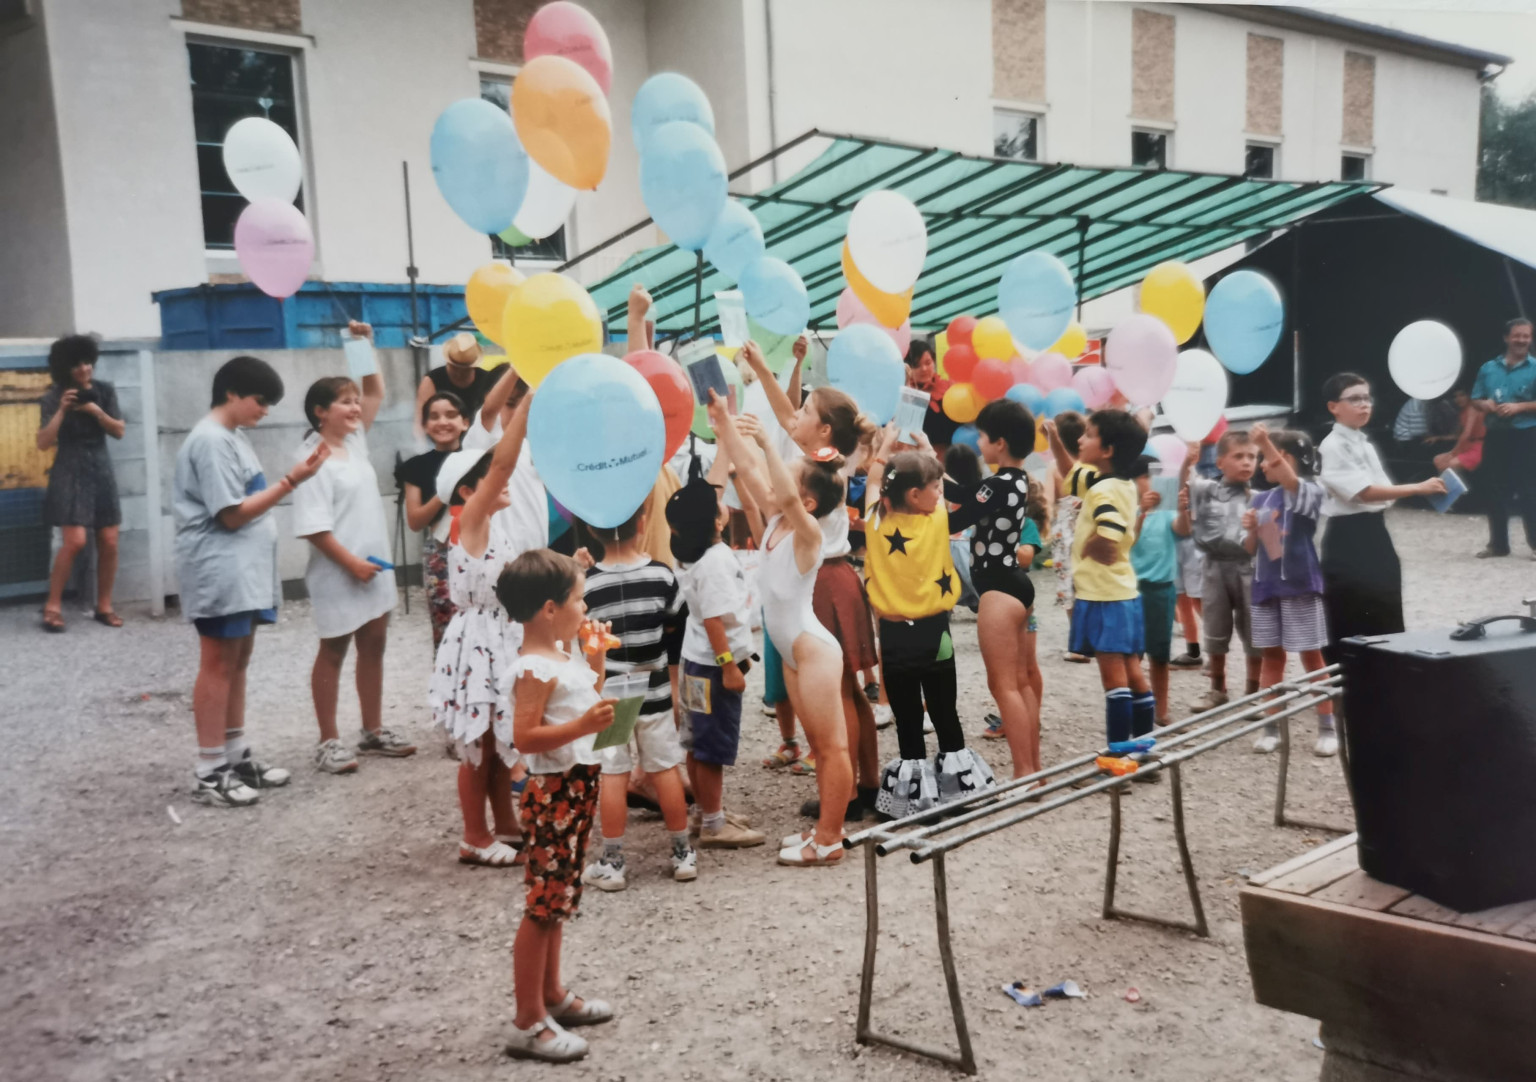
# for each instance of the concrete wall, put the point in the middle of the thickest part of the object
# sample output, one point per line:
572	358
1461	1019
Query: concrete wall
35	299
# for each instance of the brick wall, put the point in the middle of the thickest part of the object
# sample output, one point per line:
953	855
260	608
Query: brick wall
1359	99
499	26
1018	50
1151	65
1266	85
281	16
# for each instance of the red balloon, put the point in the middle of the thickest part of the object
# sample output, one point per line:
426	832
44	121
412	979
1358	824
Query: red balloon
960	362
673	391
958	333
992	379
1215	433
569	30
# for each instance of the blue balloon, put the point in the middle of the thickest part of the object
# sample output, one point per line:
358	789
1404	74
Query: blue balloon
1244	319
1062	399
864	363
968	436
1035	297
664	98
736	240
597	436
1029	396
776	296
682	180
479	164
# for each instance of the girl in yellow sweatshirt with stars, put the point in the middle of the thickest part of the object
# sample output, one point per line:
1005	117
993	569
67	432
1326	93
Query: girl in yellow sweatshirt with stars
912	586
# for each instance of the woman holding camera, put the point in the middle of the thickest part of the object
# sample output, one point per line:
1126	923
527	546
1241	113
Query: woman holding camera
78	414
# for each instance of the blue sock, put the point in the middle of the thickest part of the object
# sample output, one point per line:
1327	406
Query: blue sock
1117	714
1143	714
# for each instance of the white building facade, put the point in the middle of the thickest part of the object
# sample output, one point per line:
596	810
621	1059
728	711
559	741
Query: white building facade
110	187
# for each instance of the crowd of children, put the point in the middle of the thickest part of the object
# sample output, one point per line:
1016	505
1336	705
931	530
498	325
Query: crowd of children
526	639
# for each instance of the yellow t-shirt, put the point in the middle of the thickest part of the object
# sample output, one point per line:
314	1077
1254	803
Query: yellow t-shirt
907	564
1109	510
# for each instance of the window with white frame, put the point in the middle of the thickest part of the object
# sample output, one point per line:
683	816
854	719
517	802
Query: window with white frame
1259	161
1016	134
1354	166
1149	149
498	91
230	83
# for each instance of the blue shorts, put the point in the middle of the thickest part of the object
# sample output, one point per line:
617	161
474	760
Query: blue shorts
1107	627
774	691
235	625
711	717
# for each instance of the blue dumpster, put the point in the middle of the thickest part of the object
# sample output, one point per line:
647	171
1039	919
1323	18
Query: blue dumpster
240	316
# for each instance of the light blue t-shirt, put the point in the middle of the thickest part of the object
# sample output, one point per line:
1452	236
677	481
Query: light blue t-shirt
1155	554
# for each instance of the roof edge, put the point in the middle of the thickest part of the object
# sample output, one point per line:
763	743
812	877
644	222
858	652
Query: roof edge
1288	17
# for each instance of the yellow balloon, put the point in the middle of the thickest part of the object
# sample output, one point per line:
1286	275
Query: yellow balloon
1042	441
1173	294
940	347
486	296
562	119
548	318
963	403
891	309
991	340
1072	342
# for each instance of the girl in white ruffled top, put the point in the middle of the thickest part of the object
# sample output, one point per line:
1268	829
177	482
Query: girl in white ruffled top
480	645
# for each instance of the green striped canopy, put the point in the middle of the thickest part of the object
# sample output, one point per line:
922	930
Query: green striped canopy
1110	226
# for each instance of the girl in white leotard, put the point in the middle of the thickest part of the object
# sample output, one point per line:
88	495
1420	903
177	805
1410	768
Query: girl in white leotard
813	662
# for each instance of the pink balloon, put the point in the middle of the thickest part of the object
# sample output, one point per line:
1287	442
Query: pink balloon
1094	385
1169	450
1050	372
570	30
1141	356
851	310
275	246
1022	371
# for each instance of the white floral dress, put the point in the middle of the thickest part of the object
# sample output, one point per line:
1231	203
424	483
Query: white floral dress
479	648
1063	526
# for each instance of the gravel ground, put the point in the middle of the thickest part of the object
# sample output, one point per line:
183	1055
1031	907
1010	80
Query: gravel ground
329	933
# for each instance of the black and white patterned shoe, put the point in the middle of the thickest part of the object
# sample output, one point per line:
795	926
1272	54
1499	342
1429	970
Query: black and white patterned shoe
260	775
223	788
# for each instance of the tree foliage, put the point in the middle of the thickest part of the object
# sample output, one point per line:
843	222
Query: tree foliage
1506	160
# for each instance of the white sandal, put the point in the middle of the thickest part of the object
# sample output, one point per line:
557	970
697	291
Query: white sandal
794	855
795	841
563	1047
496	855
591	1013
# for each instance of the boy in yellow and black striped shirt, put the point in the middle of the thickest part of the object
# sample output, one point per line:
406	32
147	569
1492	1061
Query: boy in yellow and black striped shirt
1107	618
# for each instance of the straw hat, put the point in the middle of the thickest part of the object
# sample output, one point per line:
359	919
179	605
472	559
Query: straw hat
462	349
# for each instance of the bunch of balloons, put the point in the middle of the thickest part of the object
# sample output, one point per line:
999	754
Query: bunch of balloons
682	172
984	362
273	240
516	175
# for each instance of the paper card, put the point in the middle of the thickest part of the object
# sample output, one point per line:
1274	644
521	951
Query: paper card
707	375
731	307
629	689
361	360
1167	489
911	409
1455	489
1269	534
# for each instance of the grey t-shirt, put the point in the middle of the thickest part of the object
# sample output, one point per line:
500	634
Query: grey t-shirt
221	571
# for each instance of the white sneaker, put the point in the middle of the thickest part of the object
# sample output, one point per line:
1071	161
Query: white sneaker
260	775
334	757
927	723
883	716
605	876
1266	743
223	788
1327	745
685	868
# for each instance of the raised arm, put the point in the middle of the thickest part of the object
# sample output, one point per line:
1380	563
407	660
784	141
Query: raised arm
1059	453
783	408
372	384
750	466
639	304
497	397
1287	476
258	504
475	520
798	351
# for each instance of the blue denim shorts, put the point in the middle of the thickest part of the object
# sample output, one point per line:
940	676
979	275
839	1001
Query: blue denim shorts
234	625
711	728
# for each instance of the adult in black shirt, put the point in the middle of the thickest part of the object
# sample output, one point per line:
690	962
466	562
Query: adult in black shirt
460	375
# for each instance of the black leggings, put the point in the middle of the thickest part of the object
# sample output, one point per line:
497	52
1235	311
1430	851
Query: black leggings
914	676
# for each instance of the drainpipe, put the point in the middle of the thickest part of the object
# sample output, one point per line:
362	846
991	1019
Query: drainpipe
773	126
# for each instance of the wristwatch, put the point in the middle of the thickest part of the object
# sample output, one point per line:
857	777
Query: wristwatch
724	659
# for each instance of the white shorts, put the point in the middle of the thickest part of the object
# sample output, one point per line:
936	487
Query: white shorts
1294	623
658	743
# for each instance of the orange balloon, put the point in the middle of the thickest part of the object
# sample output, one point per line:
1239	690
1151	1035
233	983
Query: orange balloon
963	403
563	121
891	309
486	297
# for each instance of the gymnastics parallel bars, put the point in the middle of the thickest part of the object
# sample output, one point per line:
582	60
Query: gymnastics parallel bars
1176	743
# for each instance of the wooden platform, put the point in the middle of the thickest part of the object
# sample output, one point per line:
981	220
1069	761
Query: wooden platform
1405	988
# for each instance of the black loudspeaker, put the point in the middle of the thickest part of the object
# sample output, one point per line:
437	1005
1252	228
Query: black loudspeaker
1441	732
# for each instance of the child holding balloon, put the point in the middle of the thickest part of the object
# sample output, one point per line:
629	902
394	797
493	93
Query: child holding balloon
1068	426
814	668
1107	620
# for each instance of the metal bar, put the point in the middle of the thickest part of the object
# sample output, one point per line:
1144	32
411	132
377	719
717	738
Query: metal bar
947	957
1514	288
1201	928
871	942
410	252
1282	819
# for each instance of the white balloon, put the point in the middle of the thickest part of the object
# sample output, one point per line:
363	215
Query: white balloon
888	240
1198	394
1425	359
262	161
547	205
